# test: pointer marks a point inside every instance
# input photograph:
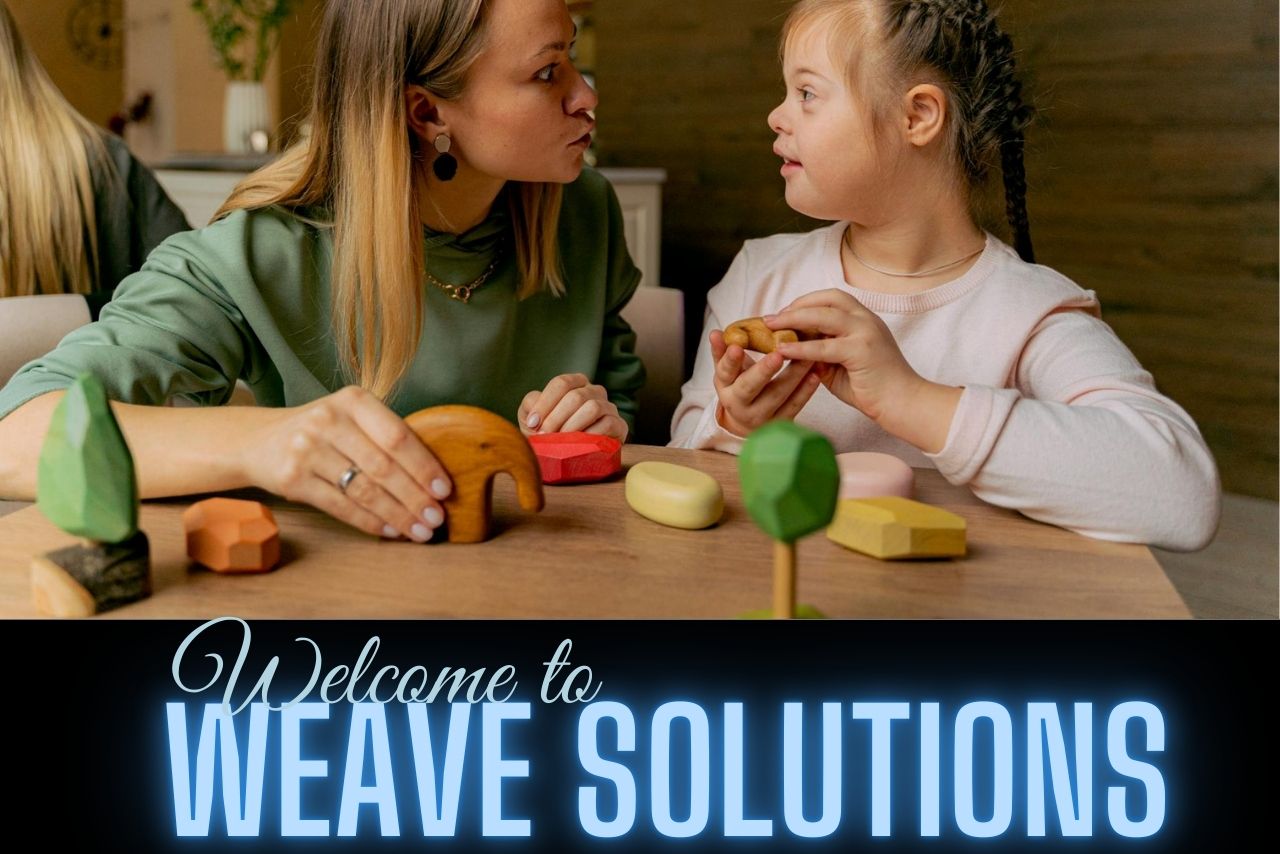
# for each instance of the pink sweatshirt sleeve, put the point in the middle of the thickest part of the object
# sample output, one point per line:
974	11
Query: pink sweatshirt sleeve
694	424
1086	442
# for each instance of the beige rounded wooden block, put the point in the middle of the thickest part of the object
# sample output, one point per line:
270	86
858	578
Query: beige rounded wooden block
673	495
56	594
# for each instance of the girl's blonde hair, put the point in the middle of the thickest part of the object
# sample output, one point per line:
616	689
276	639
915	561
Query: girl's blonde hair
957	45
359	162
48	157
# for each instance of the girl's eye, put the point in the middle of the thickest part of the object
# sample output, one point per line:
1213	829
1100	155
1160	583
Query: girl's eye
806	94
548	74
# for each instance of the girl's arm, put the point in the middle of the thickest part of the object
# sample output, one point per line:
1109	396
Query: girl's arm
1086	442
694	423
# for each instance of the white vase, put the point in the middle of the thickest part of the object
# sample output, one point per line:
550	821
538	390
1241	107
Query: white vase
246	120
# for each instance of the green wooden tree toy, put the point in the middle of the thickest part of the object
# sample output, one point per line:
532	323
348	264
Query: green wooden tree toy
790	484
86	486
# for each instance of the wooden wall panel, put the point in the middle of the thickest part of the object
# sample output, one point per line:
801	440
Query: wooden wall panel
1153	173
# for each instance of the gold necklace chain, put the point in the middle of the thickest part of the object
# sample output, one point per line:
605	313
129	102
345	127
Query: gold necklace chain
848	243
462	293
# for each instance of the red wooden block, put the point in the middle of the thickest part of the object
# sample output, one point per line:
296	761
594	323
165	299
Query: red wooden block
576	457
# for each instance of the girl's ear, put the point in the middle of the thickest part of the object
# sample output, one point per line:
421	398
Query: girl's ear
926	113
423	111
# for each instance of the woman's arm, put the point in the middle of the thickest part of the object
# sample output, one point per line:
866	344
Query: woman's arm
299	453
207	459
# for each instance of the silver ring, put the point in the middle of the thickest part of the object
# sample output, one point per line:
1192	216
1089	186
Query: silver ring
347	476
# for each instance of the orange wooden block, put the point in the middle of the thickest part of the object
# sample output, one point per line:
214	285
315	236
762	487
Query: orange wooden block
474	445
232	536
576	457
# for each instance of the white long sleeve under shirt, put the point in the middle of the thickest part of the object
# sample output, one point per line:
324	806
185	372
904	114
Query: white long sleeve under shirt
1058	420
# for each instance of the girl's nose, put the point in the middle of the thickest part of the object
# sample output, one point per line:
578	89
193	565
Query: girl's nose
775	120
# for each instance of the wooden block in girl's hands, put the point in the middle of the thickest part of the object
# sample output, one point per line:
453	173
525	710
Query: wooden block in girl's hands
752	334
232	536
566	458
474	445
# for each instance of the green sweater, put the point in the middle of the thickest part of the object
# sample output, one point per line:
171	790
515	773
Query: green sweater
248	298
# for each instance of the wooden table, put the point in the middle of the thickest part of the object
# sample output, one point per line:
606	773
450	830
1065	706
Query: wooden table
587	555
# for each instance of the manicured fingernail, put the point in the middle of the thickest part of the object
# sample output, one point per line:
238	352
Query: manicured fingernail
433	516
440	487
533	420
390	533
421	534
769	318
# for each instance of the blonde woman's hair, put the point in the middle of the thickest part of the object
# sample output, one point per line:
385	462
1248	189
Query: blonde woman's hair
48	155
359	162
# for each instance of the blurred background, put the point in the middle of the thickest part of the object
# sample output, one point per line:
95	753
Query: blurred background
1152	170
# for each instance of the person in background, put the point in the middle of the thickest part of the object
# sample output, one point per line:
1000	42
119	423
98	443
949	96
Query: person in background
78	213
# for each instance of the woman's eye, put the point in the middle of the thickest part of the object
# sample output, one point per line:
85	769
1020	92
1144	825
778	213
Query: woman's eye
806	94
548	74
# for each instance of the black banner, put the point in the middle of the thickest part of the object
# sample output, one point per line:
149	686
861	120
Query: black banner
647	736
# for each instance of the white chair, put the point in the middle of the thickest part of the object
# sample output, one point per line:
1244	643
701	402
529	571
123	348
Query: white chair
657	316
32	326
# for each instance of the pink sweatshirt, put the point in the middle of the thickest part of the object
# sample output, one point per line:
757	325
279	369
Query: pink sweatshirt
1057	420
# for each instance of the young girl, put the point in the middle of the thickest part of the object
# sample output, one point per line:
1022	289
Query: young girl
937	343
435	240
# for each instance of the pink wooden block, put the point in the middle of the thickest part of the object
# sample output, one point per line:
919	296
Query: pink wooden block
868	475
576	457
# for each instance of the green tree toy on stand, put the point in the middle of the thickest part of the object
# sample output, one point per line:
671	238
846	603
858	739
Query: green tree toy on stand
87	487
790	483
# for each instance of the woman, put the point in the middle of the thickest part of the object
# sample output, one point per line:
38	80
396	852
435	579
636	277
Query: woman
419	247
77	212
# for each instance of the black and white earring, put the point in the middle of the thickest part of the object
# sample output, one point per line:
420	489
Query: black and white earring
445	165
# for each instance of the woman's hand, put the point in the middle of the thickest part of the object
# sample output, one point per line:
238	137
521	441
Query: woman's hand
861	364
571	404
753	392
304	453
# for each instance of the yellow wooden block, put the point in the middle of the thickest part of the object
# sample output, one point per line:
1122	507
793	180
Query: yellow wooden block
895	528
674	495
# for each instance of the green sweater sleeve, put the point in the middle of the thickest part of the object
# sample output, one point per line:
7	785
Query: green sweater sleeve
170	330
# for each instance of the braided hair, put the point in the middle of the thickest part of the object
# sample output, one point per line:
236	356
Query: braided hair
962	42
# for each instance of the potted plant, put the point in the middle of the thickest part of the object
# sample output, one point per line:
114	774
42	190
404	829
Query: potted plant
245	34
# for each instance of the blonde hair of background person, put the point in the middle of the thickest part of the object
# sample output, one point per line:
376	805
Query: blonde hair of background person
393	79
48	154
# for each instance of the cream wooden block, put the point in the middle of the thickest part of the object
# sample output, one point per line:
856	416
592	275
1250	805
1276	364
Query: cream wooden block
673	495
895	528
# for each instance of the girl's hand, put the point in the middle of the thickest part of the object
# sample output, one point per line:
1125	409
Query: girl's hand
304	453
862	365
753	392
571	404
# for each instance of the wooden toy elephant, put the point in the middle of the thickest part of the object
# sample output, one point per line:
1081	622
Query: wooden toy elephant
474	445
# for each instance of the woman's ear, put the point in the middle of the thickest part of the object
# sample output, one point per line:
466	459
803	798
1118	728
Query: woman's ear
423	110
926	112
